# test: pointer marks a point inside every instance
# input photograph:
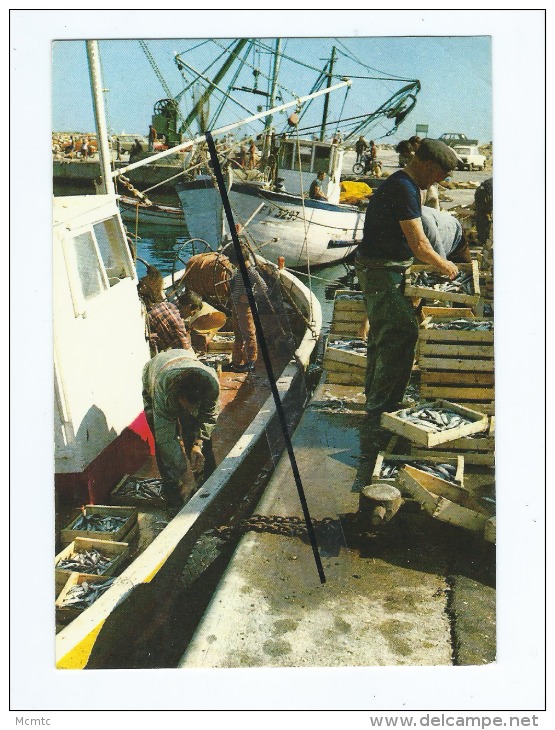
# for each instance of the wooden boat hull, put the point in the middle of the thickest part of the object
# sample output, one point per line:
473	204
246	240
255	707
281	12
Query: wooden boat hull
97	636
159	215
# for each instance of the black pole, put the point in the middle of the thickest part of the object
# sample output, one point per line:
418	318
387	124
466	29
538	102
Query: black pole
264	351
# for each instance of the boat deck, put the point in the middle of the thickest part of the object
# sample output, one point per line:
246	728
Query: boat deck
417	592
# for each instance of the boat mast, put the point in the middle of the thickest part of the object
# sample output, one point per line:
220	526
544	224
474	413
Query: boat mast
272	101
107	183
213	84
326	100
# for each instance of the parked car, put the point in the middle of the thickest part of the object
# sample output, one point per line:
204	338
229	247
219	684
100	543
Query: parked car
457	138
469	158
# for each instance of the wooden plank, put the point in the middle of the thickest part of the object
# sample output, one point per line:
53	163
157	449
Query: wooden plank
420	435
446	377
454	393
221	342
458	350
471	458
430	311
426	362
348	357
352	329
345	378
428	334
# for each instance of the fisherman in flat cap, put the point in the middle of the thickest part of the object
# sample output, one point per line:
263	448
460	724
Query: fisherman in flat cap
393	237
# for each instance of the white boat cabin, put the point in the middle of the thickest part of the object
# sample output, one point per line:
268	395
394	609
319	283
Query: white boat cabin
315	157
100	345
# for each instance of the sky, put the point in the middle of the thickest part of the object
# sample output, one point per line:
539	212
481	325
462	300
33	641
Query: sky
454	72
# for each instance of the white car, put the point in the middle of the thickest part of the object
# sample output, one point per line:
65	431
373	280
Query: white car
469	158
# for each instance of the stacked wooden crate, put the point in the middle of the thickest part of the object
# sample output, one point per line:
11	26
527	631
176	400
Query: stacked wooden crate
485	303
456	364
344	365
349	314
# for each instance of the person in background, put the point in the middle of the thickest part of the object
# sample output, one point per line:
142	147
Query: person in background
253	154
360	146
393	236
315	192
152	135
167	329
136	149
181	397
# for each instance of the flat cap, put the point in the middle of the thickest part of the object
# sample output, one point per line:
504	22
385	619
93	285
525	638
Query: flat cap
437	151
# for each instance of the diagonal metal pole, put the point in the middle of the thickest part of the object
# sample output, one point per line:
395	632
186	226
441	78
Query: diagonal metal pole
264	351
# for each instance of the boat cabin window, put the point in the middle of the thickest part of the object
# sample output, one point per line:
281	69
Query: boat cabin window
314	157
112	251
88	265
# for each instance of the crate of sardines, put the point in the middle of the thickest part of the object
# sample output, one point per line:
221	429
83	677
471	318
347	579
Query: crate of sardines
102	522
89	557
138	492
345	360
80	592
423	281
435	422
387	467
221	342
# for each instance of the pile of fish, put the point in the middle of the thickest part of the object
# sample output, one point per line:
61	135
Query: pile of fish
89	561
447	472
432	419
358	346
215	360
141	488
228	339
461	284
357	296
84	594
463	324
99	523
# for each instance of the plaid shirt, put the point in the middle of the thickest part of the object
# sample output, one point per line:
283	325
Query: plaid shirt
167	328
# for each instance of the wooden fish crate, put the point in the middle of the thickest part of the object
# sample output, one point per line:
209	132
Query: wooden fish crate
343	366
116	497
349	314
65	614
423	292
453	505
478	449
401	459
117	551
68	534
221	342
418	435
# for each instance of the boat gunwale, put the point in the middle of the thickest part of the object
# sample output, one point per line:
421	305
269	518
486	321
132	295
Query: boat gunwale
74	643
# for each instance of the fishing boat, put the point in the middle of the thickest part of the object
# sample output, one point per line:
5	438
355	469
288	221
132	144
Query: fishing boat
101	433
281	217
132	210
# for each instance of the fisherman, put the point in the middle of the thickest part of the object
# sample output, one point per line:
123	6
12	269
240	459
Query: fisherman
483	207
181	394
167	330
253	155
152	135
315	192
393	235
445	234
360	145
136	149
245	346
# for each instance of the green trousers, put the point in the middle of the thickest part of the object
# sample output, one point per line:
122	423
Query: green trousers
391	340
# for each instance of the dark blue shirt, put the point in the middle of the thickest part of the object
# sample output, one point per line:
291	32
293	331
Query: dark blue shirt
397	199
